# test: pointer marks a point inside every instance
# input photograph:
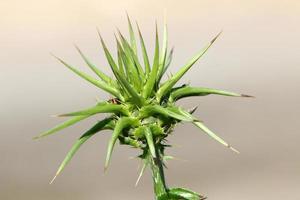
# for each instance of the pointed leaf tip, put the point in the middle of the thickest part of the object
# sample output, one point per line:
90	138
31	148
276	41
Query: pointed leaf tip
245	95
101	125
214	136
234	150
167	86
53	179
215	38
122	123
61	126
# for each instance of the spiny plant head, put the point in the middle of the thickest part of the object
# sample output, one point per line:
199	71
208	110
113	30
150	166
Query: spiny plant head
142	111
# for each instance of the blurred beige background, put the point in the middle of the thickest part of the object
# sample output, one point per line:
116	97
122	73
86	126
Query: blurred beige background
258	54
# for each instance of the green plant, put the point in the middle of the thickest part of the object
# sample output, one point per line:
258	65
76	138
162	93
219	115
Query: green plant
143	111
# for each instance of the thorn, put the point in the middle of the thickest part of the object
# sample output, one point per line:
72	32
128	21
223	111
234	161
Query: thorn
56	57
74	44
213	40
105	167
233	149
245	95
78	49
138	180
61	115
198	120
128	18
36	137
53	178
177	145
141	174
192	110
180	159
98	31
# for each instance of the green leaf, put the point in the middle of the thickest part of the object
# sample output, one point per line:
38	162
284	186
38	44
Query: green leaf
90	79
167	86
213	135
120	61
188	91
132	36
168	62
61	126
180	193
101	125
97	71
131	70
135	97
184	115
153	74
133	59
109	57
100	108
163	56
121	124
144	52
165	46
176	113
149	138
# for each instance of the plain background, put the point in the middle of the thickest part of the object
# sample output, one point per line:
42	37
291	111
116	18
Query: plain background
258	54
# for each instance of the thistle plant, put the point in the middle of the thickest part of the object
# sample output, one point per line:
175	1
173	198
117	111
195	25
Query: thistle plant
142	112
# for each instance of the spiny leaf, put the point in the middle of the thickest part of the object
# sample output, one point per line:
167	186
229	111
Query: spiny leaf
213	135
165	45
144	52
184	115
149	138
120	61
109	57
168	62
97	71
122	123
173	112
61	126
100	108
132	36
172	81
135	97
185	194
131	70
153	74
90	79
163	55
192	110
101	125
132	57
188	91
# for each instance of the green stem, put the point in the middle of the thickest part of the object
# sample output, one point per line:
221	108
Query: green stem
160	188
